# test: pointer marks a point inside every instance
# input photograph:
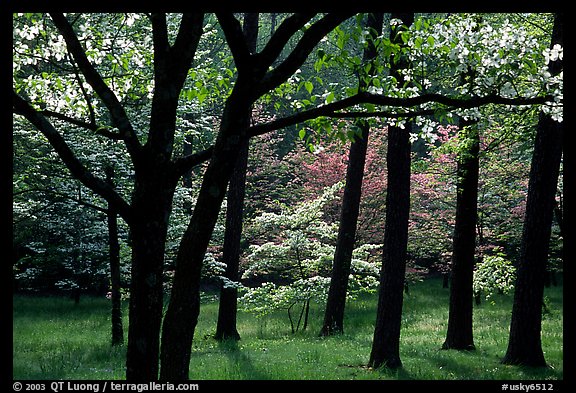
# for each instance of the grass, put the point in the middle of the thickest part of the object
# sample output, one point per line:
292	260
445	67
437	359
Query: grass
55	339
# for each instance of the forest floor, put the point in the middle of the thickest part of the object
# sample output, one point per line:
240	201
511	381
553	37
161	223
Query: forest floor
53	338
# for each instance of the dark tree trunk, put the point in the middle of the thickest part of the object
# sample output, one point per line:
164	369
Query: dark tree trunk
227	311
459	335
386	344
115	281
152	198
334	314
524	345
184	307
228	307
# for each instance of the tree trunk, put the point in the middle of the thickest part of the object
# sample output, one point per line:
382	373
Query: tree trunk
152	200
524	345
184	307
334	314
459	335
386	344
228	310
228	307
115	281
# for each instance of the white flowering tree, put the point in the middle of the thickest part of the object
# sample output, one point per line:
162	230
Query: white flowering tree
292	253
495	274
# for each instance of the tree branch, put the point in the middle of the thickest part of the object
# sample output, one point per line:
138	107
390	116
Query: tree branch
186	43
281	36
306	44
99	130
186	163
119	117
331	110
171	65
235	39
78	170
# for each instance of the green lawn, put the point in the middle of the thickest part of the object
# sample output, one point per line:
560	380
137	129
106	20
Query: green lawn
55	339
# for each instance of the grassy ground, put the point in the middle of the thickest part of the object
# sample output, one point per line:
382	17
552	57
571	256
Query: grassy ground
55	339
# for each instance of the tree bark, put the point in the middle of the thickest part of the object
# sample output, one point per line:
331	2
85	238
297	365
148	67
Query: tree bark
334	313
228	307
524	345
386	344
459	334
115	279
152	198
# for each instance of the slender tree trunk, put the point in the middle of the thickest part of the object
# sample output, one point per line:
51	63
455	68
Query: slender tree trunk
334	313
115	281
386	344
228	307
524	345
459	335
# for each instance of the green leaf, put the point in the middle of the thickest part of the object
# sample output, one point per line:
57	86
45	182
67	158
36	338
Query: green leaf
418	42
308	86
302	134
330	97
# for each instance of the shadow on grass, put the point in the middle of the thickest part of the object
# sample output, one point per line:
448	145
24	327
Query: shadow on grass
400	373
240	362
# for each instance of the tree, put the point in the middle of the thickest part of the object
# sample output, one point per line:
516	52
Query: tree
290	255
155	173
227	311
524	345
254	79
115	276
459	335
334	313
386	344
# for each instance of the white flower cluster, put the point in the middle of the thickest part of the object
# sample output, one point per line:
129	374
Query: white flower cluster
503	58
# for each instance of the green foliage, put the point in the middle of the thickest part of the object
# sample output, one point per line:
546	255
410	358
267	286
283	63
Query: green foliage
493	275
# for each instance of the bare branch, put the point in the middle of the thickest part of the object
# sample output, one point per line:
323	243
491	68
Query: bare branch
235	39
281	36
